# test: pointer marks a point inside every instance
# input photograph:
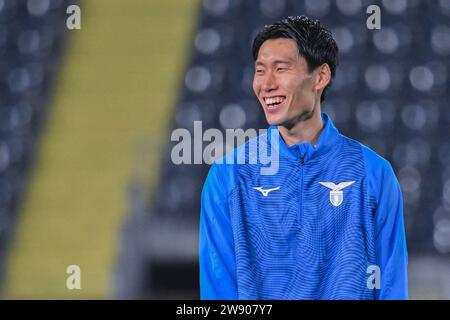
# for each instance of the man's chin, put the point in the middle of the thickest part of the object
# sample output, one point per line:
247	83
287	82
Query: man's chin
286	121
272	121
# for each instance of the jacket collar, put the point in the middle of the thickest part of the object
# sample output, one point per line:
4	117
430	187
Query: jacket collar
327	139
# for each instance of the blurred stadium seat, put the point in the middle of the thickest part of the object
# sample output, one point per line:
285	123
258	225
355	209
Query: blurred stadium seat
30	50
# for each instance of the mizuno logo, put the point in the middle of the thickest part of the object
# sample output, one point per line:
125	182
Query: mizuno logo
336	194
265	192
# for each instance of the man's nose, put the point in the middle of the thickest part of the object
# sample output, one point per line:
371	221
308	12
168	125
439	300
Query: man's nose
269	82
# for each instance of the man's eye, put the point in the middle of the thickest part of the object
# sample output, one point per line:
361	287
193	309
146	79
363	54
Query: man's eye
281	69
259	71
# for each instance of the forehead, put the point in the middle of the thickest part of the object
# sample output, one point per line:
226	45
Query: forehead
274	49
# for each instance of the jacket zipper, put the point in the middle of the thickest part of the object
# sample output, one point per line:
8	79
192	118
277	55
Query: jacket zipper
302	163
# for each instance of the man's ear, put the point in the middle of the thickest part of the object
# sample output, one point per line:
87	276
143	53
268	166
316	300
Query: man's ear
323	77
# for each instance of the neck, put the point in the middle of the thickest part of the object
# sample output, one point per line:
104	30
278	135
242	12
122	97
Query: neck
305	130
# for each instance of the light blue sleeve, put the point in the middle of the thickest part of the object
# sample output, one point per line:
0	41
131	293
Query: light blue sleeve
216	245
392	254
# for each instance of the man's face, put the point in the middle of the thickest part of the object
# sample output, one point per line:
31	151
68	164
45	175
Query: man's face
282	83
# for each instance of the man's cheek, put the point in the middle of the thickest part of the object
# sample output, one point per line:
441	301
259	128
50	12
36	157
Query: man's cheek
256	87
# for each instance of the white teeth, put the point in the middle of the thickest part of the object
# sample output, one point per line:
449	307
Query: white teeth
274	100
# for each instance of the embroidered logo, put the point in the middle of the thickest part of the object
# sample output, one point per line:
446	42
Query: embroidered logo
265	192
336	193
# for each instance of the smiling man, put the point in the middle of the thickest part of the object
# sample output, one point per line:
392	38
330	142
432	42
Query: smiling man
329	223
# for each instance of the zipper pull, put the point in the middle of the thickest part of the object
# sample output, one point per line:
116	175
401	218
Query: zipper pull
302	159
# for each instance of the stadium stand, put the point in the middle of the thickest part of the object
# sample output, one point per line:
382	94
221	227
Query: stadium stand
115	93
31	45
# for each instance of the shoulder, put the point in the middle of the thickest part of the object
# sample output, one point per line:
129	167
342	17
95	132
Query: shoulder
378	171
245	153
380	175
373	162
224	171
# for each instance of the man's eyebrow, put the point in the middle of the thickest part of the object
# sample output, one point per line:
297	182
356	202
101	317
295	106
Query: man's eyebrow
259	63
282	62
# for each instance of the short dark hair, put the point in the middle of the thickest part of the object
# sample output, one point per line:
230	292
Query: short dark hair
315	43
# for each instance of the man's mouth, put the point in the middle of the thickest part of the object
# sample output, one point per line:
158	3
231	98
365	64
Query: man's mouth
273	103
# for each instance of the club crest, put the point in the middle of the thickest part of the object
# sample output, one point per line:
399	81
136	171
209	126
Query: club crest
336	193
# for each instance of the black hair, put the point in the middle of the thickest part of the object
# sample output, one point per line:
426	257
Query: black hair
315	43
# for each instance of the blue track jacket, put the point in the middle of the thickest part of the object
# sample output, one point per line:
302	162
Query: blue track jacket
327	225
